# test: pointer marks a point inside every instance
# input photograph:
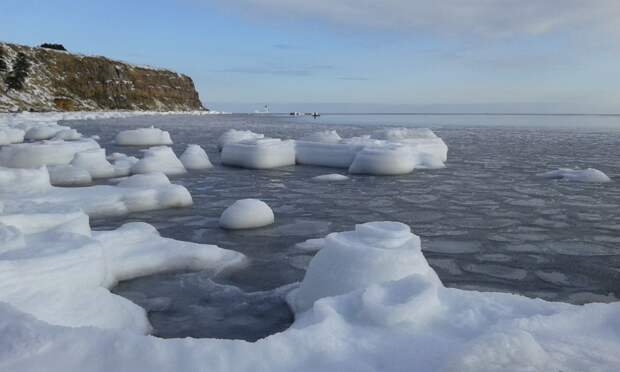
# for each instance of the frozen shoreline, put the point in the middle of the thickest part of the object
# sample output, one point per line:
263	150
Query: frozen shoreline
412	320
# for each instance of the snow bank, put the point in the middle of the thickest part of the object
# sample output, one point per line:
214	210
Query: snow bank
159	159
37	154
234	136
577	175
195	158
247	214
143	137
372	319
331	177
263	153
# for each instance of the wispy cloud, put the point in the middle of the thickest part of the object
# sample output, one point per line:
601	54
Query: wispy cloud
495	18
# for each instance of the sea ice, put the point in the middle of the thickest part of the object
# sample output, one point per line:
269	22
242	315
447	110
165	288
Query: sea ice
143	137
194	158
68	175
36	154
384	161
95	163
331	177
247	214
10	135
327	136
262	153
578	175
234	136
159	159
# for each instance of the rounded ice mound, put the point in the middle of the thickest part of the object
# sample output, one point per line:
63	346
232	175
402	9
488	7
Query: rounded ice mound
385	160
234	136
326	136
143	137
247	214
194	157
94	162
159	159
331	177
68	175
67	135
375	252
577	175
43	132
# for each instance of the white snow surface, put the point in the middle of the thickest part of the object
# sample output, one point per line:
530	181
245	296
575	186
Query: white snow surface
159	159
577	175
195	158
143	137
387	320
247	214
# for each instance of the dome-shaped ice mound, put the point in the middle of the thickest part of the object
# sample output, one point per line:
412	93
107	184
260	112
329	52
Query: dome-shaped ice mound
195	157
143	137
375	252
247	214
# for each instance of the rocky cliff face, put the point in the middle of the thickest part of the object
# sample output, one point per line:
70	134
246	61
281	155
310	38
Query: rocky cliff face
63	81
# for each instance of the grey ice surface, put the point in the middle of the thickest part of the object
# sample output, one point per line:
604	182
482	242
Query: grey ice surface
486	221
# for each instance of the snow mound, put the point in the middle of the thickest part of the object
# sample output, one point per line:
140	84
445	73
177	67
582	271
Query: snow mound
159	159
68	175
375	252
247	214
263	153
384	161
577	175
24	189
331	177
194	158
143	137
95	163
10	135
234	136
37	154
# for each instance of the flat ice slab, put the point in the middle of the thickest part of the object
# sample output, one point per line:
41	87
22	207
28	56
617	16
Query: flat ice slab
263	153
143	137
577	175
247	214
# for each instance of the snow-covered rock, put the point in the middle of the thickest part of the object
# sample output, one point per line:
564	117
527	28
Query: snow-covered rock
234	136
143	137
263	153
195	158
247	214
331	177
577	175
159	159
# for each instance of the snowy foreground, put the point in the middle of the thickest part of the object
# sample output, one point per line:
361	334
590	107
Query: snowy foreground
369	300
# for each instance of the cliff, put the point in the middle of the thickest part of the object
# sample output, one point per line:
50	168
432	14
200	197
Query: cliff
61	81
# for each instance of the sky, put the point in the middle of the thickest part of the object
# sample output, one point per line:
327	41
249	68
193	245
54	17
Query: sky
353	55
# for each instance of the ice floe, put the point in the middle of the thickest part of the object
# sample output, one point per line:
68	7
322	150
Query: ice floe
143	137
247	214
159	159
264	153
195	158
331	177
36	154
234	136
577	175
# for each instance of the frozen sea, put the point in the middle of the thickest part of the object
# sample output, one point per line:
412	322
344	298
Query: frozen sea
487	222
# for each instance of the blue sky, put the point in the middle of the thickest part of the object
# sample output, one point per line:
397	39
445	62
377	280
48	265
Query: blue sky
511	55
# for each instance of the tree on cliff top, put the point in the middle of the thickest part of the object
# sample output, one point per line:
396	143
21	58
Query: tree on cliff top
16	78
53	46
